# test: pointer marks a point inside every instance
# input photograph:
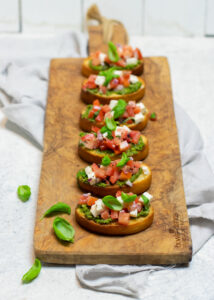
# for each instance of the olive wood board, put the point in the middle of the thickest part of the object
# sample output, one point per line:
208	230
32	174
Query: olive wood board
168	240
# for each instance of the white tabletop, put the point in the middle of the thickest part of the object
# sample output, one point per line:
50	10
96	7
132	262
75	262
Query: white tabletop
192	64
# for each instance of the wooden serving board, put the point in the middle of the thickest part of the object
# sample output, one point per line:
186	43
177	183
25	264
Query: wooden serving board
168	240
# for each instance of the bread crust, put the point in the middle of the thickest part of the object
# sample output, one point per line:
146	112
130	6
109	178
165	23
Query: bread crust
134	226
88	97
92	156
86	124
87	71
139	186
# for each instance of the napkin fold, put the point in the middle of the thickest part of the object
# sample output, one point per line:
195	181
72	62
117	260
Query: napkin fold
23	91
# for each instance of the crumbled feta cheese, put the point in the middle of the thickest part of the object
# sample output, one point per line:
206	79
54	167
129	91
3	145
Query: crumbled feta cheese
97	208
105	134
120	129
113	103
124	145
133	213
138	118
133	78
147	195
117	72
91	175
141	106
129	183
119	198
102	57
100	80
131	61
145	170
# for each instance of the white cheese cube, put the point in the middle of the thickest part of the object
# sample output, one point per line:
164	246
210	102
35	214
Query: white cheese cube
91	175
97	208
124	145
105	134
131	61
117	72
138	118
133	213
100	80
129	183
120	129
145	170
133	79
102	57
147	195
113	103
119	198
141	106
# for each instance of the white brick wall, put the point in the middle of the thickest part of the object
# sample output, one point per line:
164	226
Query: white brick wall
141	17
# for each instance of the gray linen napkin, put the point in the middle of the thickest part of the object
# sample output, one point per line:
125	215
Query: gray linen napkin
23	88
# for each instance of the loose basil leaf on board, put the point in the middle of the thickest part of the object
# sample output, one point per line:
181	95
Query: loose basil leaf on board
112	203
106	161
119	109
33	272
58	207
123	160
63	229
128	198
145	201
24	192
112	52
110	124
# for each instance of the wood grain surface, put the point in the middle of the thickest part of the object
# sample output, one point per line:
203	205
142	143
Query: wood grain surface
168	240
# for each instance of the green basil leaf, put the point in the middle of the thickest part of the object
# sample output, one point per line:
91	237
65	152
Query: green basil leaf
58	207
112	203
145	201
105	129
128	198
123	160
112	52
24	192
119	109
33	272
109	75
106	161
63	230
110	124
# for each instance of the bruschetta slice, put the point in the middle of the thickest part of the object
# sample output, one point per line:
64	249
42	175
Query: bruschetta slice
125	174
120	215
134	115
103	141
112	84
118	56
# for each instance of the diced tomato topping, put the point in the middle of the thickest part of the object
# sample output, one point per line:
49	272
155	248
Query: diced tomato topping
127	51
113	83
137	164
103	89
96	61
139	54
90	85
96	102
109	171
91	200
120	63
125	115
95	129
114	214
110	144
83	199
130	163
125	176
123	218
130	110
106	108
100	116
137	110
118	194
99	172
88	137
107	60
115	176
105	214
135	135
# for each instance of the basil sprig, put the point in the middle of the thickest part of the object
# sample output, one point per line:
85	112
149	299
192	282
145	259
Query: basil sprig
128	198
109	75
58	207
112	203
119	109
106	161
105	129
24	192
145	201
63	230
123	160
112	52
33	272
110	124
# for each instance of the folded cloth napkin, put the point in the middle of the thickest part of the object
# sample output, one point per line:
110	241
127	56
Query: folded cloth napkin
23	89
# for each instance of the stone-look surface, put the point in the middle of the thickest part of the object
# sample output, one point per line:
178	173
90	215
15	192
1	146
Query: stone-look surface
168	240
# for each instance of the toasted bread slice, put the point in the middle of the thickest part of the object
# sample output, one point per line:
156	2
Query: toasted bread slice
87	70
134	226
88	97
93	156
140	185
86	124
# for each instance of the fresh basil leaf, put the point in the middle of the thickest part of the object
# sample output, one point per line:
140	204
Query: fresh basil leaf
128	198
112	52
110	124
106	161
145	201
58	207
105	129
119	109
112	203
123	160
109	75
63	230
33	272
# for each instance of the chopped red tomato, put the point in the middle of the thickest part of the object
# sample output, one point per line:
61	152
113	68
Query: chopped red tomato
127	51
125	176
137	110
118	194
123	218
105	214
91	200
99	172
113	83
107	60
88	137
114	214
138	53
135	135
109	171
130	110
83	199
100	116
110	144
95	129
103	89
120	63
130	163
96	102
106	108
115	176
